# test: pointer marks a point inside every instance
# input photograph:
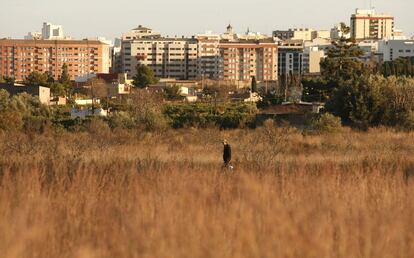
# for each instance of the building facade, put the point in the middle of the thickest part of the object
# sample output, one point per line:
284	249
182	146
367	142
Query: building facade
314	55
229	56
43	93
291	57
305	34
393	49
367	24
283	34
18	58
209	59
243	59
167	57
49	32
322	34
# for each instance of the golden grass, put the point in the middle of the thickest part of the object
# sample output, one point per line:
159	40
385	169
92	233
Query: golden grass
137	194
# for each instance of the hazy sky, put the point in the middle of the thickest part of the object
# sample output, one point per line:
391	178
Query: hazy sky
91	18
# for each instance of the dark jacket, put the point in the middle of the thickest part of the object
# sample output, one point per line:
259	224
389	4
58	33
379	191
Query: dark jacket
227	153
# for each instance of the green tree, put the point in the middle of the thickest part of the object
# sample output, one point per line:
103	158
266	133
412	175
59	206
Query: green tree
50	78
344	28
23	111
64	78
9	80
327	123
144	76
254	84
58	89
316	89
402	66
37	79
343	62
172	92
360	102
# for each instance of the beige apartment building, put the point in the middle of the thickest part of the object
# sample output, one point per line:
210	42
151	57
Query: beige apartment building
305	34
18	58
243	59
208	56
167	57
367	24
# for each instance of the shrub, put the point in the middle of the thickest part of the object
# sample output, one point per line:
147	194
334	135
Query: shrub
36	124
121	120
10	120
152	121
96	126
229	115
327	123
408	121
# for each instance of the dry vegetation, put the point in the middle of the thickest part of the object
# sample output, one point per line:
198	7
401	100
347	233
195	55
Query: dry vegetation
139	194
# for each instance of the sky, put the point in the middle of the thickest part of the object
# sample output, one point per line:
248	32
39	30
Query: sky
93	18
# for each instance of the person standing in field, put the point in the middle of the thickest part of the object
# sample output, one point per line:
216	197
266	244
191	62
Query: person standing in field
226	154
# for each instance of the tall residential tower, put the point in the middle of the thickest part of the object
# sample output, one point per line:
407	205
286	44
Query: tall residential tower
367	24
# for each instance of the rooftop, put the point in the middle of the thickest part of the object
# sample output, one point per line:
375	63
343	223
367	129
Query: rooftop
48	42
140	27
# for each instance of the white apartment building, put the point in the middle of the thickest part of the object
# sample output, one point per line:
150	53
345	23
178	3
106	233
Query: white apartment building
369	46
367	24
167	57
49	32
209	59
393	49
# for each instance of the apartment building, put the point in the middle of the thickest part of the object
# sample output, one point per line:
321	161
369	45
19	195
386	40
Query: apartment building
367	24
392	49
167	57
291	57
229	56
313	56
305	34
209	58
321	34
49	32
243	59
18	58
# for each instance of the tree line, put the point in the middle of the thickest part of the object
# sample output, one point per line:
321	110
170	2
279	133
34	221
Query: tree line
364	96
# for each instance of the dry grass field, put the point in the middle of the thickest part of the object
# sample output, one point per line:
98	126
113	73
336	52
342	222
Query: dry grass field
139	194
